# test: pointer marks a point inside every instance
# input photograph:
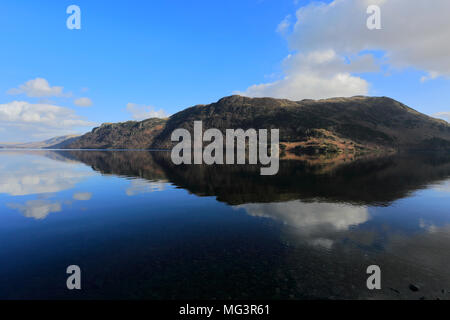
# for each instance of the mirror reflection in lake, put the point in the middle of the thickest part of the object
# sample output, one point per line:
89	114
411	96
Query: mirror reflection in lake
140	227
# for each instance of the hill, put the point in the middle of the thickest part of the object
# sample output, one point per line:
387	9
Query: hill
350	125
57	142
124	135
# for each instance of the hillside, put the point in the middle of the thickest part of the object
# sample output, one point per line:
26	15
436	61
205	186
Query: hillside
351	125
125	135
61	142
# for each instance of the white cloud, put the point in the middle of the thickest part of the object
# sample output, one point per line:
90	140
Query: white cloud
51	115
310	86
37	209
414	34
82	196
284	25
318	74
38	87
443	115
429	76
39	120
139	112
83	102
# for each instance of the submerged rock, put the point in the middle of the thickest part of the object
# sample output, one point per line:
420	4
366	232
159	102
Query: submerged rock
413	288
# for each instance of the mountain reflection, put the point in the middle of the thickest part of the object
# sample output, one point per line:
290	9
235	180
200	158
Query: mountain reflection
376	182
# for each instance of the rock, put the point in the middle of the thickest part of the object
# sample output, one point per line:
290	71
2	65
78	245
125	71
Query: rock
413	288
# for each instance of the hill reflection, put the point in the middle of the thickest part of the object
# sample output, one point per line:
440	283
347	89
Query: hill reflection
377	181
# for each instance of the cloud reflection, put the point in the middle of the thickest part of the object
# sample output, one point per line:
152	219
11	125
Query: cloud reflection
37	209
28	174
143	186
314	221
442	187
82	196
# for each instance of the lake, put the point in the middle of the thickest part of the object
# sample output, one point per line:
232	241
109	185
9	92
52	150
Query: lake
140	227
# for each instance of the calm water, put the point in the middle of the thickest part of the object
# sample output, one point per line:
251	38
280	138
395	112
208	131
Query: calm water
140	227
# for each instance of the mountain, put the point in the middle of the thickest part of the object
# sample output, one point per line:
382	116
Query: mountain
60	142
125	135
313	127
57	142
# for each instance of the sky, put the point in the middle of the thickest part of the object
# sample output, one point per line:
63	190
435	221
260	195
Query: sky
132	60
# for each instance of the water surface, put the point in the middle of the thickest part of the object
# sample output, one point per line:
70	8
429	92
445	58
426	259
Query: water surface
140	227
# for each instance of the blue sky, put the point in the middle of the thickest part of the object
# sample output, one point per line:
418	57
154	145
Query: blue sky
168	55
